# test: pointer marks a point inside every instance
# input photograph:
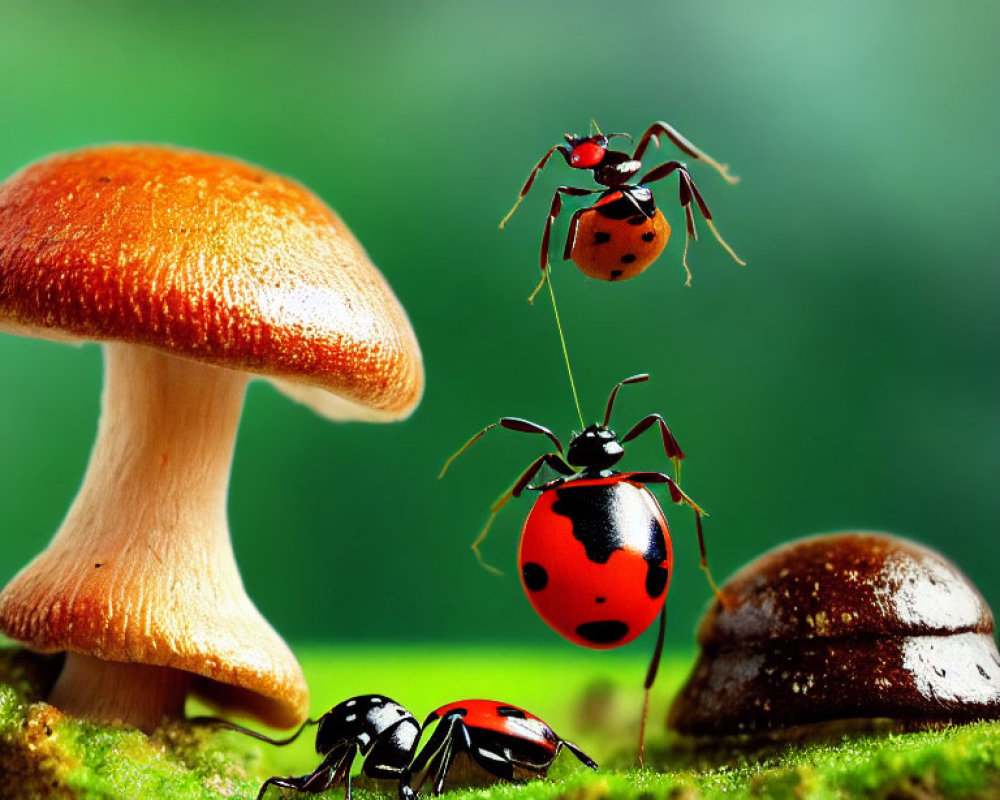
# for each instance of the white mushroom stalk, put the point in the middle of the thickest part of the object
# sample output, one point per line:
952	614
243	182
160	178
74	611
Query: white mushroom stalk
142	570
200	271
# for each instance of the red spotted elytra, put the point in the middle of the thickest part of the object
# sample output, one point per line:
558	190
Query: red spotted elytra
623	232
595	557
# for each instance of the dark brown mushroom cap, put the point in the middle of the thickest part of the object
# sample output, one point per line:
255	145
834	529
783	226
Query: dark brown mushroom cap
857	625
207	258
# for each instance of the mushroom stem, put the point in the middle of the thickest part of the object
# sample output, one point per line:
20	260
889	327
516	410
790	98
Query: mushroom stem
135	693
141	574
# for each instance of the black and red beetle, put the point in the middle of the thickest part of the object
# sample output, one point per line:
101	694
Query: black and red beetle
623	232
504	740
378	728
594	556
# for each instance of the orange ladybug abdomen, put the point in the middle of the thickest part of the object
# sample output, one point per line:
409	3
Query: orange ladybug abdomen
618	249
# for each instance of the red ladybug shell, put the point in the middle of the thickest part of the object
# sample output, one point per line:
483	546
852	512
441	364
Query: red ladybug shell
502	718
618	249
595	560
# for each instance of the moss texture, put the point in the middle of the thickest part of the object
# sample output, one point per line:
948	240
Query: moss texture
46	755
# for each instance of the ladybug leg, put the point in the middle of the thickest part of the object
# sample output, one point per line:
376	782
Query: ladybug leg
584	758
670	446
457	738
553	460
511	424
531	178
343	773
678	496
321	778
465	447
434	759
657	129
688	192
574	224
554	210
707	215
647	685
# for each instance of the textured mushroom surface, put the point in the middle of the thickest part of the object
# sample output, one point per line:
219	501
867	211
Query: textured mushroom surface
181	262
207	258
847	626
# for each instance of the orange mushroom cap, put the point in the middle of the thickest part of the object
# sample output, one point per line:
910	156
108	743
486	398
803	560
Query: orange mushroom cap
207	258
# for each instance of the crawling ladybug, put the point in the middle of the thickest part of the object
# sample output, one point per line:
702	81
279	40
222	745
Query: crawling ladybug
378	728
372	725
595	556
623	232
504	740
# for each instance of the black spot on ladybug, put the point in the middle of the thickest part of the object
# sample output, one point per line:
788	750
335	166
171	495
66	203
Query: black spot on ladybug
600	237
604	632
535	576
628	258
616	273
656	580
458	712
510	711
648	236
604	518
638	219
600	599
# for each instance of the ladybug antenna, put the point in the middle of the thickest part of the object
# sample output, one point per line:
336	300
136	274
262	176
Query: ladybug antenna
595	127
642	377
218	722
625	135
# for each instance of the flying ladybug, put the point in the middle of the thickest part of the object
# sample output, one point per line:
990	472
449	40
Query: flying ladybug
595	556
622	232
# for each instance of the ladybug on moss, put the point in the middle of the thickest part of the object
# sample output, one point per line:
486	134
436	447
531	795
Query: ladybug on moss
504	740
507	742
621	234
594	556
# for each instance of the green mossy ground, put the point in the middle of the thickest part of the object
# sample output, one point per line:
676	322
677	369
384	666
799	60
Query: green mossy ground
591	700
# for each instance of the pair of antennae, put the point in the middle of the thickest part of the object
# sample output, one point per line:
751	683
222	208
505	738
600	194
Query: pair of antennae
595	128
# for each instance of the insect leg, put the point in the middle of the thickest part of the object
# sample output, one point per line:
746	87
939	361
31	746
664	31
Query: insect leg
660	128
531	178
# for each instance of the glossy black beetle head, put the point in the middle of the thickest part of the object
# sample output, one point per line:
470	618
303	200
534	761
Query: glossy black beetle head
596	447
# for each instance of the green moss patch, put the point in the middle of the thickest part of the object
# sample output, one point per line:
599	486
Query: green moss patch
592	699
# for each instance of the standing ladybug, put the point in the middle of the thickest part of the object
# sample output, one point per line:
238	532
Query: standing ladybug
380	729
623	232
594	555
504	740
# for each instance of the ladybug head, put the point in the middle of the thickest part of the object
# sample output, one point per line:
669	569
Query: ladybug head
596	447
586	152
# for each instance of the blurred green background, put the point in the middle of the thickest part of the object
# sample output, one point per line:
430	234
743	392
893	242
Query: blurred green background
847	378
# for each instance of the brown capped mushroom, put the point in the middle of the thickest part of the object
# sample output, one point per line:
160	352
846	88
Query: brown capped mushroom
847	626
195	270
